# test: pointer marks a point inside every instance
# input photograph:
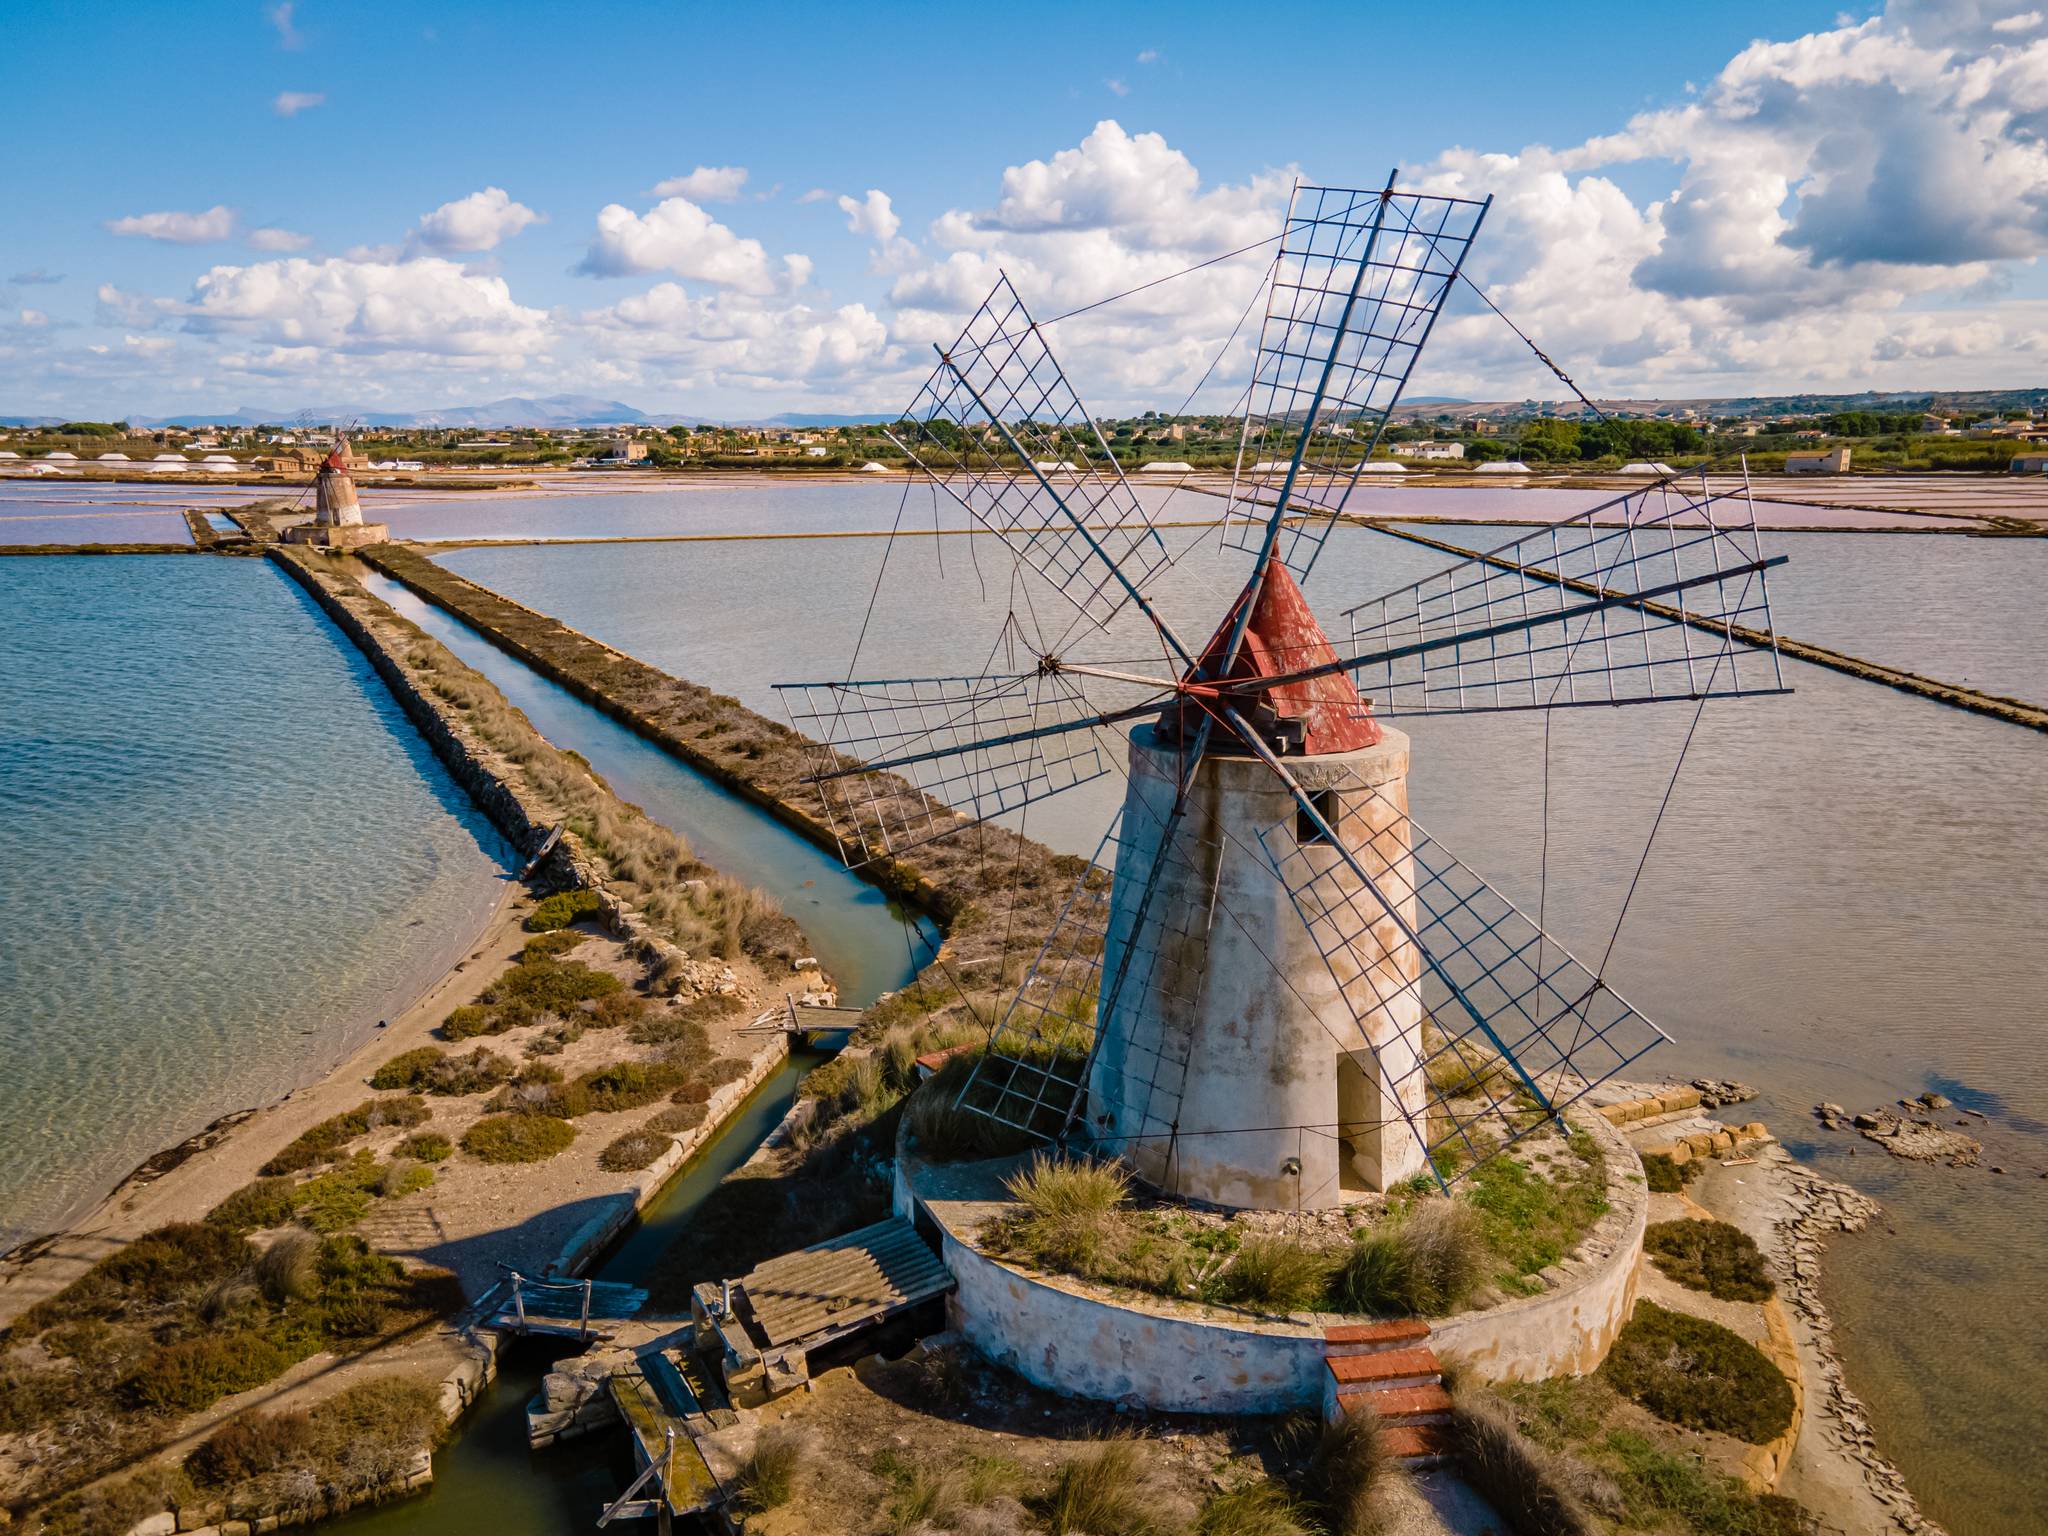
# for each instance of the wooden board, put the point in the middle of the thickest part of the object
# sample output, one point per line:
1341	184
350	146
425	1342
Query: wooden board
689	1485
861	1277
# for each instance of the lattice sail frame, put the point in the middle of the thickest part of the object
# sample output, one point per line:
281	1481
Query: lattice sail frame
1034	1075
1000	429
1516	1028
1511	629
941	752
1360	280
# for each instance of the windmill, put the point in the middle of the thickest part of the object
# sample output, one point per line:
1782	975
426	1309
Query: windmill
1271	987
337	512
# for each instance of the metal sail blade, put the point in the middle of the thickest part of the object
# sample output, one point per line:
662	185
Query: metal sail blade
901	761
1360	280
1001	431
1506	1027
1658	594
1115	957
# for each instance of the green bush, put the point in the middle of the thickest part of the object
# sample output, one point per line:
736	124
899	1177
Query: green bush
193	1373
323	1143
1710	1256
1666	1177
552	946
469	1020
551	986
558	911
407	1068
1376	1278
154	1268
341	1196
263	1203
677	1119
633	1151
517	1138
444	1074
425	1146
1699	1374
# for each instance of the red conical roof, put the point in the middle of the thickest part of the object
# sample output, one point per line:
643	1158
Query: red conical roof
1318	714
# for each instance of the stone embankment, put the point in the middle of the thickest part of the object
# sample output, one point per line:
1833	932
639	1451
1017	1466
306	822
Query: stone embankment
995	893
1818	1207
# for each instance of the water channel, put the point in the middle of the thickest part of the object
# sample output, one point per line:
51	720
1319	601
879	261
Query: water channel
486	1478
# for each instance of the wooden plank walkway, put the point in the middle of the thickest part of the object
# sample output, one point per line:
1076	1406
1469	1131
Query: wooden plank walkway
687	1484
575	1309
843	1284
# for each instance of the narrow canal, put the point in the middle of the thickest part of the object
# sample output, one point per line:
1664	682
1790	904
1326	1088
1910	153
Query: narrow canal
485	1478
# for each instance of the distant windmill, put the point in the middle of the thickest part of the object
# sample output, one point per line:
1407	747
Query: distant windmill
1271	987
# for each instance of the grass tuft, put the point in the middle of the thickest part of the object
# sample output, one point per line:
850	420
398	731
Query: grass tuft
517	1138
767	1479
1350	1461
1104	1488
1261	1509
1527	1484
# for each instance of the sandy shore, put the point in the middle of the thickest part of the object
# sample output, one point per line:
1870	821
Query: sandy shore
183	1183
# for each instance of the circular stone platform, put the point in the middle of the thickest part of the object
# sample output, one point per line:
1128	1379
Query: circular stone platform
1085	1340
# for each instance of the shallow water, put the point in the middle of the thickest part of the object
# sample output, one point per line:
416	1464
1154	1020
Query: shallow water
229	854
1842	902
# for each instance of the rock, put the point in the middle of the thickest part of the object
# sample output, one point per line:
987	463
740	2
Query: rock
1995	1168
1868	1121
160	1524
1935	1100
804	963
1831	1111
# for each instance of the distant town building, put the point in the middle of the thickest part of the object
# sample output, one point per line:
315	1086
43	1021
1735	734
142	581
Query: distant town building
1832	463
2029	464
1431	450
624	450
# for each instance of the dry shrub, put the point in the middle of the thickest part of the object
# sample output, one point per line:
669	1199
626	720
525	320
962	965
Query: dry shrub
255	1206
1447	1250
517	1138
1693	1372
1073	1217
250	1445
288	1269
944	1131
1106	1488
1527	1484
767	1479
677	1119
1276	1272
1260	1509
633	1151
1710	1256
1349	1462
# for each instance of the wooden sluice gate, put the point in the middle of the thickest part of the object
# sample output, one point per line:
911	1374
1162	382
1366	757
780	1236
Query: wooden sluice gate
664	1413
563	1309
799	1021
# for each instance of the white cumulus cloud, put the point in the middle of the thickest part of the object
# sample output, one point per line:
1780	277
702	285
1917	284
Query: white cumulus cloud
706	184
216	223
271	238
678	236
871	216
479	222
292	103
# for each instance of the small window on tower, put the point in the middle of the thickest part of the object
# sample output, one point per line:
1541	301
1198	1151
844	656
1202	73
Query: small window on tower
1306	830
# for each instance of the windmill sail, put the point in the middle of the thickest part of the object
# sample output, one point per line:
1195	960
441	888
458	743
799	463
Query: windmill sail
1002	432
1515	1028
1360	281
1658	594
902	761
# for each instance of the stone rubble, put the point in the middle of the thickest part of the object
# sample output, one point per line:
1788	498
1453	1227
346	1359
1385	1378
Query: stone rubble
1717	1093
1818	1206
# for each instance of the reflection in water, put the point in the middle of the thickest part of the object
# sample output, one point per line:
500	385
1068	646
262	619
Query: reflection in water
1842	902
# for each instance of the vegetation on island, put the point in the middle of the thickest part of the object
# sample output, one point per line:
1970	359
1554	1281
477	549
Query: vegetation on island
1711	1256
1696	1373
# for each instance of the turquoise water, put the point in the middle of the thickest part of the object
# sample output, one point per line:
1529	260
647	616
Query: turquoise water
867	943
228	855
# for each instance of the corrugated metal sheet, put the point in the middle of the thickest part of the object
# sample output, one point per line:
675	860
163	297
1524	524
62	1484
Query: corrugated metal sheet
864	1275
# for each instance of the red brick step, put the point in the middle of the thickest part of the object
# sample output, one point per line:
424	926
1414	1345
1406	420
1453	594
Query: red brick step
1369	1338
1419	1444
1404	1405
1387	1368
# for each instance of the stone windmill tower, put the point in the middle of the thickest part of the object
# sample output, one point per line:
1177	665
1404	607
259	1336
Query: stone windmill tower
337	512
1271	988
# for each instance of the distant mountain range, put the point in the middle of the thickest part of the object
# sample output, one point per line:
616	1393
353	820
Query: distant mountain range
512	411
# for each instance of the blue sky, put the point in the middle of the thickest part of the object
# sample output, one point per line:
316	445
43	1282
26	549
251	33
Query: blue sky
338	129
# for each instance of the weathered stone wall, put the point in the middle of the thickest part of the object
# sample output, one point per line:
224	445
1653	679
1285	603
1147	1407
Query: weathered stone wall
1179	1358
